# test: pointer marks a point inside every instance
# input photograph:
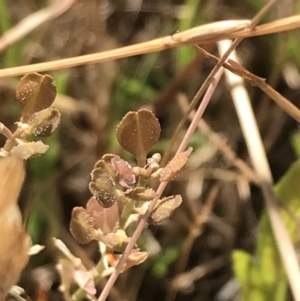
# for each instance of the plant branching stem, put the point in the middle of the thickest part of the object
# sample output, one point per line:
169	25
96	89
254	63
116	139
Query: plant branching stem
218	71
161	188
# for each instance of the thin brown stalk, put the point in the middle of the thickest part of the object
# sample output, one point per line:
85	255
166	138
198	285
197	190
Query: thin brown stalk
239	70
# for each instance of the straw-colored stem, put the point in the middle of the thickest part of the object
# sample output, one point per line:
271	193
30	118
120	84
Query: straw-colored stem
259	160
198	35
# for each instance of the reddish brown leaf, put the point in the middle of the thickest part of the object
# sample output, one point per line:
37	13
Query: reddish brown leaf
105	219
124	172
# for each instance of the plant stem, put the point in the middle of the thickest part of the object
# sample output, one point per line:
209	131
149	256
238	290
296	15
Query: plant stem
160	189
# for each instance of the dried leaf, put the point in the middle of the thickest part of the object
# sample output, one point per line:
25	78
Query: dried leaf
138	132
141	194
104	218
45	122
106	158
102	187
116	241
165	208
135	258
35	92
82	225
175	165
29	149
124	172
105	163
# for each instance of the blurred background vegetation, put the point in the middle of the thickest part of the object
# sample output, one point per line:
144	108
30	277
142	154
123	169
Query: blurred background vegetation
190	254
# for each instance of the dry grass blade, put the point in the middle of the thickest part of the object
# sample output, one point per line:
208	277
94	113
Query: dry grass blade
199	35
246	117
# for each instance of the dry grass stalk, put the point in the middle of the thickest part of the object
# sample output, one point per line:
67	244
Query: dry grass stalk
259	160
207	33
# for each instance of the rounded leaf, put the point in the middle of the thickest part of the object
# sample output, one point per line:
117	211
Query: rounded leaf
138	132
81	225
165	208
105	219
141	194
35	92
45	122
102	187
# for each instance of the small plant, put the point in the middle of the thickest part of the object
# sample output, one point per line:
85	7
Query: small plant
36	94
125	196
122	193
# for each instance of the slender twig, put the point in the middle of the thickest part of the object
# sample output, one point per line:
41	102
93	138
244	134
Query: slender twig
281	101
185	280
207	33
